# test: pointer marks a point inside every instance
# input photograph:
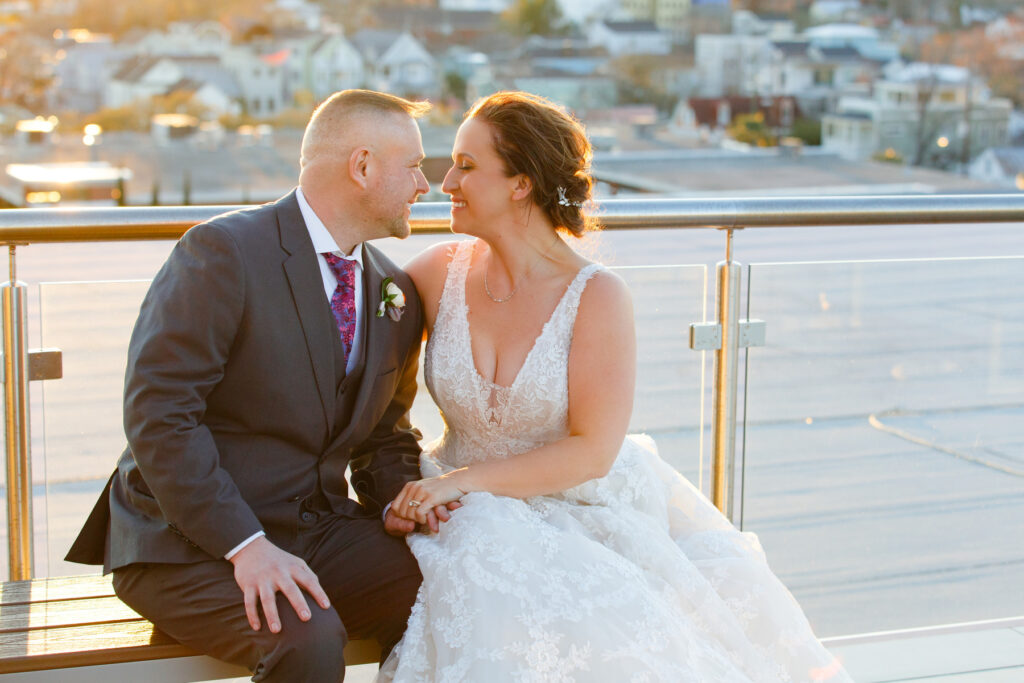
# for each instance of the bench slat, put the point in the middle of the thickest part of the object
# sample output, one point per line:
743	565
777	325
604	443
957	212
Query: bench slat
59	588
85	646
41	615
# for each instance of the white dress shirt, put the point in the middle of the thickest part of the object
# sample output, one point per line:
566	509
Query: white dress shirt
324	243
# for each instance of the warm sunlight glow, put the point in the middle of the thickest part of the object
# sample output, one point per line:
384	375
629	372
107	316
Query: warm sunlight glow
48	197
36	125
65	173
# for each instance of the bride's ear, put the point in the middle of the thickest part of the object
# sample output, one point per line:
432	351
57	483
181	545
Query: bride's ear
522	186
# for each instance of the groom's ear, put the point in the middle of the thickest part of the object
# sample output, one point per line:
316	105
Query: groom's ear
359	162
522	186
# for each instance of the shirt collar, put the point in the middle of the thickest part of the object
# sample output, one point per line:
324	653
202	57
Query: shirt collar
318	233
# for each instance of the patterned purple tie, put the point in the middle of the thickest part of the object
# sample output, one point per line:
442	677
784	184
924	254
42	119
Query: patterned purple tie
343	302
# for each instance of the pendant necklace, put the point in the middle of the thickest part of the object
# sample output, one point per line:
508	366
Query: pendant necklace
501	300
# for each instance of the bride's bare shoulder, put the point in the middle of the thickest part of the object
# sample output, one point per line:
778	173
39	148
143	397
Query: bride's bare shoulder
431	264
428	271
605	300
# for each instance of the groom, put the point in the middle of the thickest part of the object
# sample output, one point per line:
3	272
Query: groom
276	348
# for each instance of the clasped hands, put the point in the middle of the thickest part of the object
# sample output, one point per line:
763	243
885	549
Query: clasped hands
425	502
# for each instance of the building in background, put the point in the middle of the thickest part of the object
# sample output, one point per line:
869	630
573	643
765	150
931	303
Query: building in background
630	38
925	114
1002	166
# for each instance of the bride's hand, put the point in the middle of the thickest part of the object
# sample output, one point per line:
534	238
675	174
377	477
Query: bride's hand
418	498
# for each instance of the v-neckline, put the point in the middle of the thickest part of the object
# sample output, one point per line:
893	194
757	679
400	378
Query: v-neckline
529	354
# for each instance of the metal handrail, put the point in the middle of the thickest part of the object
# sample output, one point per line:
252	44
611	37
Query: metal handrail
20	227
33	226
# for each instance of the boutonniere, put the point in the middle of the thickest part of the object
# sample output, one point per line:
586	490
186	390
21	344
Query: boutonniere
392	300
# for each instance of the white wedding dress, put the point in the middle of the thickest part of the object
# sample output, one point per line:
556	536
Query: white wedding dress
631	577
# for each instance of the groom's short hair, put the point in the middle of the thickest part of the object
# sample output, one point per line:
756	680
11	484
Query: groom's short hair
344	106
368	101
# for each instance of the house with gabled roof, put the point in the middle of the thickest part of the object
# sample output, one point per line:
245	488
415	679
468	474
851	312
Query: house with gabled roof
140	78
1001	166
398	63
207	94
630	38
322	64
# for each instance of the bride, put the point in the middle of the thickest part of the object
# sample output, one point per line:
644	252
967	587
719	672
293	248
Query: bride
577	554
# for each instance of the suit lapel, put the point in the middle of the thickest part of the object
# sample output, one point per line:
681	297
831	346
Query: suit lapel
307	287
375	331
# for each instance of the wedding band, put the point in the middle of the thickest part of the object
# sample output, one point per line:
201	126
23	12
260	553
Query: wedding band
414	503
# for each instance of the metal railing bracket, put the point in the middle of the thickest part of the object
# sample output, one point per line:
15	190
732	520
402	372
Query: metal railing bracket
705	336
708	336
752	333
42	364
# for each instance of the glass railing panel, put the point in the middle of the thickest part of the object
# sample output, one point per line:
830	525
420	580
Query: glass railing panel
91	322
883	466
669	400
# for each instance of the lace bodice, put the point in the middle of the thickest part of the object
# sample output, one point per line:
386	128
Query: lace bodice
484	420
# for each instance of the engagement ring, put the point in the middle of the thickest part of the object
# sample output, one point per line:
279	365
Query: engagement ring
414	503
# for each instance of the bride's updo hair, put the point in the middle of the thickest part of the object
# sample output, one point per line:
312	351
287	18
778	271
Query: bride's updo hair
539	139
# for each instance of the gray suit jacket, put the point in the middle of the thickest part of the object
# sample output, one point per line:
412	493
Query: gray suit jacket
231	393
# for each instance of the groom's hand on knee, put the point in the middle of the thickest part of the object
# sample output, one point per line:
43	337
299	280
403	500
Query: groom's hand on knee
261	570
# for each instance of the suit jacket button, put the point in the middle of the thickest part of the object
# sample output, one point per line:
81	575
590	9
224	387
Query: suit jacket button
308	517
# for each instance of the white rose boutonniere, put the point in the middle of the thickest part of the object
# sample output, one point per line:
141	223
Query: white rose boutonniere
392	300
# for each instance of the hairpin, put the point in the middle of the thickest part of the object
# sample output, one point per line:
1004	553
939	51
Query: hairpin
564	201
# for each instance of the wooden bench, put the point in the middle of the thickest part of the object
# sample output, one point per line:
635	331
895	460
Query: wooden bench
75	628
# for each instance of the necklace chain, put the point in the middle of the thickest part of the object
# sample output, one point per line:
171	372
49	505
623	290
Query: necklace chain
526	273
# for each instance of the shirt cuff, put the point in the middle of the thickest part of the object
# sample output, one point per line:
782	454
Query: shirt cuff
384	515
238	548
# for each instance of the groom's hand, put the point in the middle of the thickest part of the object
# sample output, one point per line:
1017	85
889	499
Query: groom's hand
401	526
440	513
262	569
398	526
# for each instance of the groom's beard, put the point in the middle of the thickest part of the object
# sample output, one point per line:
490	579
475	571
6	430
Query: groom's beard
399	227
388	220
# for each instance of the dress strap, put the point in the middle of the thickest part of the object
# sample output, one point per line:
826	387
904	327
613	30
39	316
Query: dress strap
564	316
576	287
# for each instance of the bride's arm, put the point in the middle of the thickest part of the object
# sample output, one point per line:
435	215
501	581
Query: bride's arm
602	375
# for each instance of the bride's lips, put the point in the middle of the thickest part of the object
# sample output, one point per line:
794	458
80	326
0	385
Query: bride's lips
458	204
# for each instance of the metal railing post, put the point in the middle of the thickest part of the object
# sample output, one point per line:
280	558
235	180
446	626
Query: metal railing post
19	461
723	422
